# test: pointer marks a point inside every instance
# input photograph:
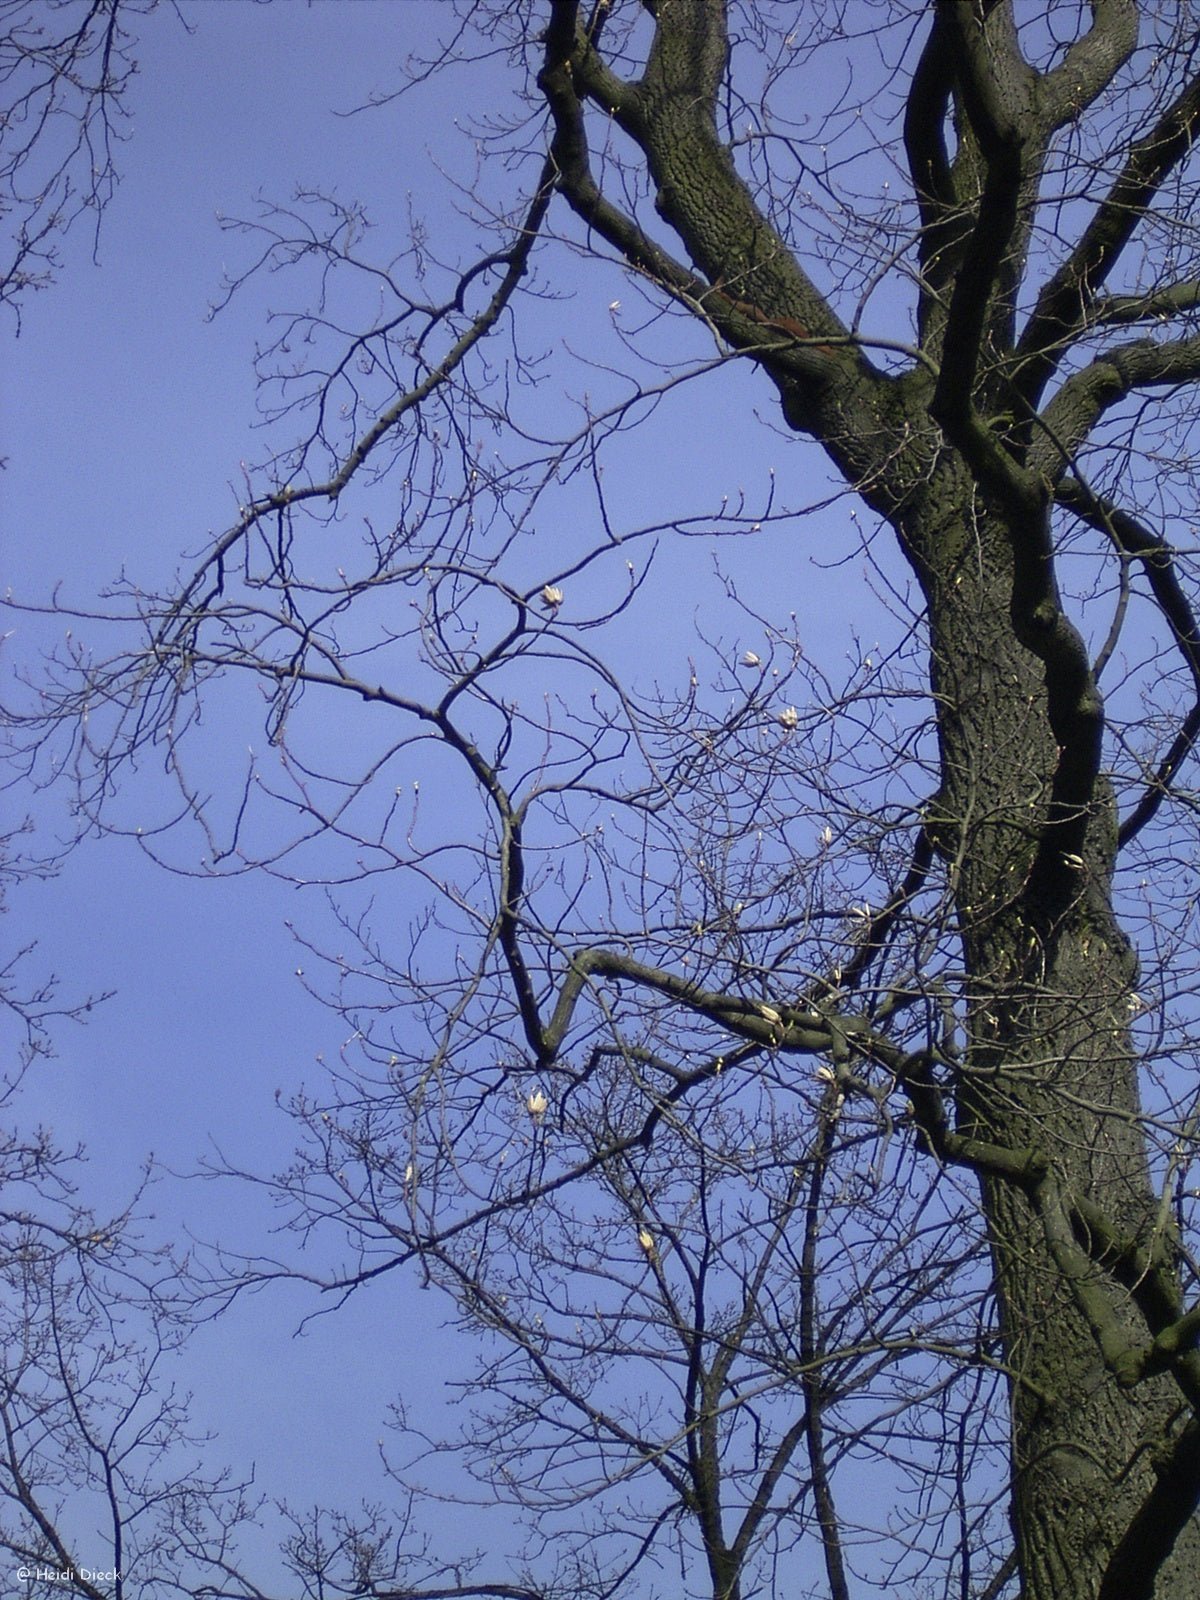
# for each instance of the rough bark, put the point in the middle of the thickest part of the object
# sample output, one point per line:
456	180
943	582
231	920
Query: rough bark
1024	820
1049	1070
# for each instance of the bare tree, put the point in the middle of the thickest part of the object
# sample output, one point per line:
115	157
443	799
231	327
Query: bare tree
65	71
99	1465
788	1052
97	1462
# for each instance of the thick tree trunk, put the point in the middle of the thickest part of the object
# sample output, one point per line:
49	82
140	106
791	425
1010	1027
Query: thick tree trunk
1024	824
1049	1070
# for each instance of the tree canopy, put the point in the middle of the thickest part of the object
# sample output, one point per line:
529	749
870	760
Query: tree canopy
776	1044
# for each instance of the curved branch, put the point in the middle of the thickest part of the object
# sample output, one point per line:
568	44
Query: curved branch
1087	395
944	224
1091	63
998	85
1062	308
748	277
1154	305
1158	563
570	60
798	1029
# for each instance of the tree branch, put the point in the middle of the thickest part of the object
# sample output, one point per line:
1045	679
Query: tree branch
1063	304
1084	397
1091	63
1157	561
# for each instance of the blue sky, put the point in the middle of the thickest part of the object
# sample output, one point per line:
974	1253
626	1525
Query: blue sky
125	420
131	425
125	416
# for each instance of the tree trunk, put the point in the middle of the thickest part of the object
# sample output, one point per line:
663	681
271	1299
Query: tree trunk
1048	1070
1045	1092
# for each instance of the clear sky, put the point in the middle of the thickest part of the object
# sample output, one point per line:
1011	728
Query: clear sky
126	416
